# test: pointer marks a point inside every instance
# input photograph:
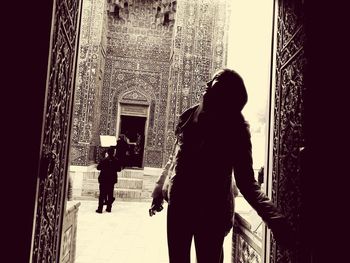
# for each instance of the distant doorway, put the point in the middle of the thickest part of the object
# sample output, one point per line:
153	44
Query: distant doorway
134	129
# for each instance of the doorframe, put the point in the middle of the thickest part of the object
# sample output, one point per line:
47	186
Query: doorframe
266	235
120	105
65	173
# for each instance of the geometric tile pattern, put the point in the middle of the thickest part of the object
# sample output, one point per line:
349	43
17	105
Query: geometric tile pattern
166	50
199	49
137	61
91	60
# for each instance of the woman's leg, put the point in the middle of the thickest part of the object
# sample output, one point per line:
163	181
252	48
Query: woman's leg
209	244
179	232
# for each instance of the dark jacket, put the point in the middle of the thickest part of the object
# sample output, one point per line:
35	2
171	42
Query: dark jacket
200	168
109	167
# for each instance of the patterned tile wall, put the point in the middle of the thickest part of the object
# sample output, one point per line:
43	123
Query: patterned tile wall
199	49
138	59
136	51
92	53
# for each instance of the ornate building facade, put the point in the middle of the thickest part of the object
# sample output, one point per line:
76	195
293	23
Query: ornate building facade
141	64
199	49
88	90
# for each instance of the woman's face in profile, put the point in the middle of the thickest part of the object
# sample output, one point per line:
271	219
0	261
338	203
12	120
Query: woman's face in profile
211	96
215	81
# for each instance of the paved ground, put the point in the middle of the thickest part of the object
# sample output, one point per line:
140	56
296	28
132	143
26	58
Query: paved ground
127	235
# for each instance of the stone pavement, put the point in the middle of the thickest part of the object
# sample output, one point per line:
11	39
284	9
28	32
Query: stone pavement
126	235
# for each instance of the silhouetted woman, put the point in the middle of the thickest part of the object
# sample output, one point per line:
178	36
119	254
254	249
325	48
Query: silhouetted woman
200	196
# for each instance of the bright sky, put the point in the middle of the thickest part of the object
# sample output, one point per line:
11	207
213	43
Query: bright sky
249	48
249	53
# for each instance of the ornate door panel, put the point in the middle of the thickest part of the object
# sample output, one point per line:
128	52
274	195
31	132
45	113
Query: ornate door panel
56	131
288	136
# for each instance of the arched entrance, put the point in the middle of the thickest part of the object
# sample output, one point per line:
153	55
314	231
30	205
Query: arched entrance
134	128
132	121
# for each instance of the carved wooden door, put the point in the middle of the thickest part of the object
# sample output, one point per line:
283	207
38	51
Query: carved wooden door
51	187
288	115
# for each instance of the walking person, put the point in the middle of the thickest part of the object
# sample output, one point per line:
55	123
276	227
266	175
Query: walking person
109	166
197	180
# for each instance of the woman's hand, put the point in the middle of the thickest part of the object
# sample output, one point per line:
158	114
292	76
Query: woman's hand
156	206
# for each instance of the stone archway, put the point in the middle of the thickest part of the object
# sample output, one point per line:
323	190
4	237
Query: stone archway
139	95
133	121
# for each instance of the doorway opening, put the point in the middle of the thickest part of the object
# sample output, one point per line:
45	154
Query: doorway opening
134	119
133	127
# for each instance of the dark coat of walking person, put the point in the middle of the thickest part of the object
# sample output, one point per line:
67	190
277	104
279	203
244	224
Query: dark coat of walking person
109	167
212	141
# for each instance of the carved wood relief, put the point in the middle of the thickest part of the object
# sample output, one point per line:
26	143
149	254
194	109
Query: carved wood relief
56	134
288	115
246	247
243	251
